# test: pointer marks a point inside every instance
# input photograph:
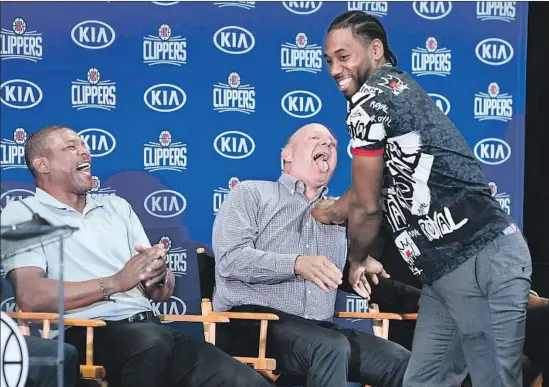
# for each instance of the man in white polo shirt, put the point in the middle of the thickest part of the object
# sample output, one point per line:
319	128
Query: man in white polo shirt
111	272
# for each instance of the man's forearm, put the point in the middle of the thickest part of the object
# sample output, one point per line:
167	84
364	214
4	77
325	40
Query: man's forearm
363	228
165	292
42	296
339	210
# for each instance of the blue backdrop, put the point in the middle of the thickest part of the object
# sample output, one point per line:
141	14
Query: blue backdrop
178	102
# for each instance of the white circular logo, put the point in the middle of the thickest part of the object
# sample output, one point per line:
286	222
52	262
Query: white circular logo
164	32
14	361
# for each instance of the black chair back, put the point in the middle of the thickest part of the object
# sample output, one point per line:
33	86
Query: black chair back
206	272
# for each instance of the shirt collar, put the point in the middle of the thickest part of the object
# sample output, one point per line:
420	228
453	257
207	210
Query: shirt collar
45	198
294	185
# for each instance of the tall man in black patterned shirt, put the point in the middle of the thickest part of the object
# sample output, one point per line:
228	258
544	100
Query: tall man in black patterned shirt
412	164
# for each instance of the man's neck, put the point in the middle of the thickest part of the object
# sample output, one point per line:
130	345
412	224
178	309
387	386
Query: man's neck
311	193
75	201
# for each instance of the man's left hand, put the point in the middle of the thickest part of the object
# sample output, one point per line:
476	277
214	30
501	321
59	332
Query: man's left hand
156	272
359	273
323	212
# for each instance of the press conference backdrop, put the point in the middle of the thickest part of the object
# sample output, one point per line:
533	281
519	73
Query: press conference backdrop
178	101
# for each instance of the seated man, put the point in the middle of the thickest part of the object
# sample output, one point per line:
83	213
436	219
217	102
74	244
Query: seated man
111	272
272	256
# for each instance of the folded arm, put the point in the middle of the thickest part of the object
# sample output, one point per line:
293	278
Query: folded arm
233	241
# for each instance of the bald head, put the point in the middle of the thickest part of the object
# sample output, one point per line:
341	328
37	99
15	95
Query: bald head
38	144
312	127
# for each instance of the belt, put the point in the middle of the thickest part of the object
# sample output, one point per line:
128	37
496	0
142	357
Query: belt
136	318
511	229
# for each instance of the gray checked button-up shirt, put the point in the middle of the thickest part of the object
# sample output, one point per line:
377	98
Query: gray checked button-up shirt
258	233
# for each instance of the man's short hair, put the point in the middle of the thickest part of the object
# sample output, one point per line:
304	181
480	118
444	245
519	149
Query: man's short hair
37	144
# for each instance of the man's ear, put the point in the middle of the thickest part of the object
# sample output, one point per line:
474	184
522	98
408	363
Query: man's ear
286	155
40	165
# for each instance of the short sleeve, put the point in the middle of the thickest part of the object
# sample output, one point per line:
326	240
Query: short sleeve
18	254
369	118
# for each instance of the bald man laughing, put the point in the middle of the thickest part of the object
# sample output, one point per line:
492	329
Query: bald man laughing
273	256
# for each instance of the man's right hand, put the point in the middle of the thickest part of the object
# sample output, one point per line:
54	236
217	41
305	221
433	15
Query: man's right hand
320	270
135	270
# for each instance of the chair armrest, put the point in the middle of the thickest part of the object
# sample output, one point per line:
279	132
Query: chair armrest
245	316
409	316
84	322
32	316
190	318
369	315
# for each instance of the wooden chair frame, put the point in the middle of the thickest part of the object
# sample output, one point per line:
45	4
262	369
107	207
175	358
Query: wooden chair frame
88	371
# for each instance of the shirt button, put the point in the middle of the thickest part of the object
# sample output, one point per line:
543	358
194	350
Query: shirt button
307	246
306	316
308	224
308	292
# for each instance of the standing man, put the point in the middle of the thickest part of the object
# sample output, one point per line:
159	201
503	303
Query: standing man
471	257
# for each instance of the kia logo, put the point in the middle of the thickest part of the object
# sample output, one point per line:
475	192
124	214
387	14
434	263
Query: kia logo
14	195
492	151
20	94
301	104
165	203
432	10
441	101
174	305
234	40
302	7
494	51
93	34
164	98
98	141
234	145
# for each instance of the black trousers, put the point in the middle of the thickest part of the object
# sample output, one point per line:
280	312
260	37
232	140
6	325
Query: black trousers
327	355
43	375
536	344
151	354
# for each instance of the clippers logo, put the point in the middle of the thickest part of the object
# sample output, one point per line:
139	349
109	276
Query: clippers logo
503	198
13	195
12	152
432	10
301	56
301	104
93	34
493	105
176	259
165	98
431	60
20	43
220	194
356	304
99	142
174	305
494	51
302	7
375	8
96	189
441	101
20	94
240	4
234	145
393	83
234	40
233	96
496	10
492	151
165	155
93	93
165	48
165	203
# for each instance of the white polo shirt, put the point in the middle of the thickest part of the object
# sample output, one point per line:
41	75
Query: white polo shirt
108	230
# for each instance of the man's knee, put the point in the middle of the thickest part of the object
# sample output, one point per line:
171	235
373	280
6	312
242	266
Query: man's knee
333	345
